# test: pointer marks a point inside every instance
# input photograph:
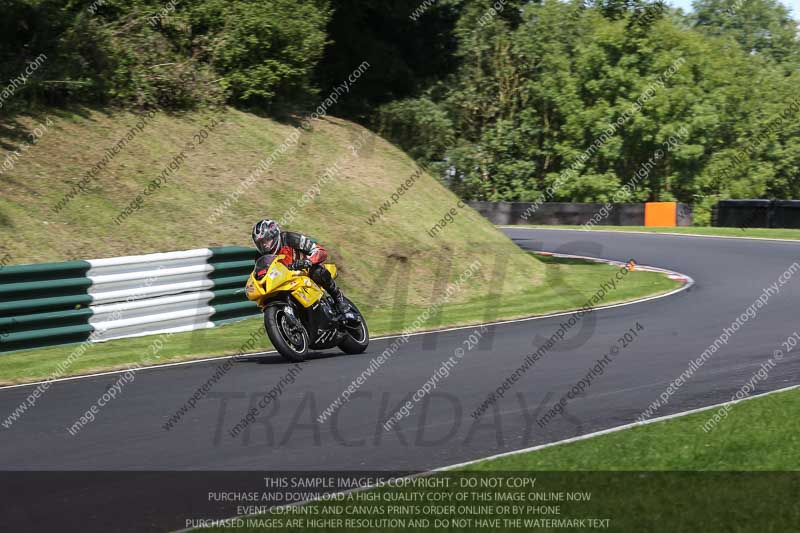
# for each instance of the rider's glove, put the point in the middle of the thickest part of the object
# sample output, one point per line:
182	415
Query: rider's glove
300	264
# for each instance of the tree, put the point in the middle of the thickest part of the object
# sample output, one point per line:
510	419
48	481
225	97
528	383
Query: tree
580	101
173	54
264	51
759	26
407	54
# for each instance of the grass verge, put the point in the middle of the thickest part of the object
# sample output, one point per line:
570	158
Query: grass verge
764	233
665	476
755	436
568	284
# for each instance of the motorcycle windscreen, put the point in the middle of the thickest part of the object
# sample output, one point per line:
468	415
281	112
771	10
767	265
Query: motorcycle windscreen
262	265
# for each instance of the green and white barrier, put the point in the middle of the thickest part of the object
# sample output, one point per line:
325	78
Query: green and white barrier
102	299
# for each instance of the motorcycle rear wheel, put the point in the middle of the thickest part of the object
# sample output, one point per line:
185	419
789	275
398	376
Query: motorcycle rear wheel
291	340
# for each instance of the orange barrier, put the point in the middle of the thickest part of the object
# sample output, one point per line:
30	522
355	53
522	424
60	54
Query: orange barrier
662	214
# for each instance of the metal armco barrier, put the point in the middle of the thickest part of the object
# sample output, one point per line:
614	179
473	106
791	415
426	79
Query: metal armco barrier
101	299
758	214
574	214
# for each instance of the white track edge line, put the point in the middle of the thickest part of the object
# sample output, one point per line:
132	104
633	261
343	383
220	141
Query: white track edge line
538	447
636	232
685	285
614	429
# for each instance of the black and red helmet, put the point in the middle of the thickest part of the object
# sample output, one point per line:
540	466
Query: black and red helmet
267	236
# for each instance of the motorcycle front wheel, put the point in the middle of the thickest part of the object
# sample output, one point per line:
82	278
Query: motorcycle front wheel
356	339
286	333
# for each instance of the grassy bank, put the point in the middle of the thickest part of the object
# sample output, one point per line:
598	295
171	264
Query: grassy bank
348	181
345	172
327	182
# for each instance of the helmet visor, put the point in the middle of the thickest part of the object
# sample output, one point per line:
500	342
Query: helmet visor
267	244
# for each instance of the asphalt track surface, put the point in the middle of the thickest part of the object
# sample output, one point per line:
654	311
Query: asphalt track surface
128	435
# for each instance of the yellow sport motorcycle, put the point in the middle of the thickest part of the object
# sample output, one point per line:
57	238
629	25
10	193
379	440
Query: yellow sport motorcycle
299	315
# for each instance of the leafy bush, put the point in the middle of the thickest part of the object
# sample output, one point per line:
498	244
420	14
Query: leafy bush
264	51
172	54
419	126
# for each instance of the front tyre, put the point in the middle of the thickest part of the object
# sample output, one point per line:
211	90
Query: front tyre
356	337
286	333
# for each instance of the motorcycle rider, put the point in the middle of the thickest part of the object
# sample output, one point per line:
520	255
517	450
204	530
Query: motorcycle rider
301	253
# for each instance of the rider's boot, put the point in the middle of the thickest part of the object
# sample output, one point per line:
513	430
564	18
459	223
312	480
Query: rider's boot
341	304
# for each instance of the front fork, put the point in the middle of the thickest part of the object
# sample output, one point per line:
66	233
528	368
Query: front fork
295	323
289	310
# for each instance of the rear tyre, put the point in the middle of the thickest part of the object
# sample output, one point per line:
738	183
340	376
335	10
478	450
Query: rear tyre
356	339
286	333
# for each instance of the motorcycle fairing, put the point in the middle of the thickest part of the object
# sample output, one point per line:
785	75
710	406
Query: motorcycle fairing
270	277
